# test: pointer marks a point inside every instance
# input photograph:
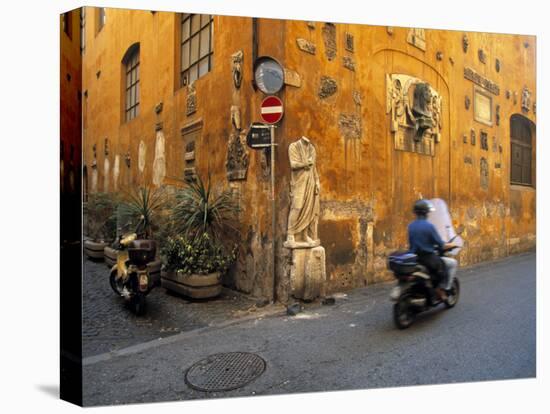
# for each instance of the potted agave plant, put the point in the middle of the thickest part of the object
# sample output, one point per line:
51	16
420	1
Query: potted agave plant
198	257
143	206
99	211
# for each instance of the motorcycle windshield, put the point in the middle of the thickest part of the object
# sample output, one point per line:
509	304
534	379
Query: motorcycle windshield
441	219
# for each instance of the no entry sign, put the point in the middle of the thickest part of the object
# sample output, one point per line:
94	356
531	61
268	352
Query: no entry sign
271	110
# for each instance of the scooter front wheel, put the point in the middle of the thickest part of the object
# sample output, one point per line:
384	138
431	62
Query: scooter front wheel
403	314
114	283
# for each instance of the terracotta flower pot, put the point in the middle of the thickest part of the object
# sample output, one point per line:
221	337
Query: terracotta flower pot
94	250
193	285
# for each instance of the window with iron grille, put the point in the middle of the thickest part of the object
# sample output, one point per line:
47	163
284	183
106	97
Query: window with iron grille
131	65
196	47
521	151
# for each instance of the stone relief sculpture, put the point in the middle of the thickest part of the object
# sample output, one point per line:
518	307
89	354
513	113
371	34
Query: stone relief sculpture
303	217
116	172
415	127
237	158
142	149
525	99
237	62
159	163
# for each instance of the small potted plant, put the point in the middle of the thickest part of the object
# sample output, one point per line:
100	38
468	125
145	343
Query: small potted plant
99	211
144	206
204	249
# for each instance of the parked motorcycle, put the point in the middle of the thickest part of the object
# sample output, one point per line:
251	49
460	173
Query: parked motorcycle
130	277
414	292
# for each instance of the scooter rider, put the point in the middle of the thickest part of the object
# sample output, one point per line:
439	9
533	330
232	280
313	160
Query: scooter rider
423	240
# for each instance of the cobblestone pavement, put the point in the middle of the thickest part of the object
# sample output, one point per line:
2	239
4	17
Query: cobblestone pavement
109	325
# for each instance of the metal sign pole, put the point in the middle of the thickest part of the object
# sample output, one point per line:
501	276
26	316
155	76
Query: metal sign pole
273	211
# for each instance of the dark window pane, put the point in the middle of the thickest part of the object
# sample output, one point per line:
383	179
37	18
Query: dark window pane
195	23
185	30
205	18
193	74
185	56
194	49
203	67
205	42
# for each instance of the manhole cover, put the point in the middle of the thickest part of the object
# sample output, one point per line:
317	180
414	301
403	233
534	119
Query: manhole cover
224	372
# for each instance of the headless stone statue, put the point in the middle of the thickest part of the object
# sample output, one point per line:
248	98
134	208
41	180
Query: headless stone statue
308	270
303	217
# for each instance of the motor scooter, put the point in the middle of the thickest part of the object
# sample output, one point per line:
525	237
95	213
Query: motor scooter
130	277
414	292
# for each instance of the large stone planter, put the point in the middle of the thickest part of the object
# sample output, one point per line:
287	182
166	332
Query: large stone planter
110	256
193	286
94	250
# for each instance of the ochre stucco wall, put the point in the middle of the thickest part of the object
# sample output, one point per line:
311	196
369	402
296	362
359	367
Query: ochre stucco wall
367	187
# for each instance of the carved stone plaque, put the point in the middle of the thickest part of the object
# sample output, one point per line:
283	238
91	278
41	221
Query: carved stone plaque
525	99
465	43
292	78
415	113
417	38
306	45
237	159
484	140
350	126
482	56
328	87
191	104
484	173
349	63
349	43
329	38
483	107
485	83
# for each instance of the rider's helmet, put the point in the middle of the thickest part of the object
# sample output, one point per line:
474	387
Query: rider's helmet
422	207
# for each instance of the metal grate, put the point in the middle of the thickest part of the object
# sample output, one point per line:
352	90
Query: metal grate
225	372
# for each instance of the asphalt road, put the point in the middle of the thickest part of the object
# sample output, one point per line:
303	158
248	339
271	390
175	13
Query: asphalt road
489	335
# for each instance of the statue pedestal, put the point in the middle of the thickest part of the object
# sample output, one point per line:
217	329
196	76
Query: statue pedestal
308	272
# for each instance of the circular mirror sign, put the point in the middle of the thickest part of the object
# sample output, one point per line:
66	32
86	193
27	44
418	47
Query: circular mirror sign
268	75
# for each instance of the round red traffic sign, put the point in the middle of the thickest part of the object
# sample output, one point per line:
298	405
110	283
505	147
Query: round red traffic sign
271	110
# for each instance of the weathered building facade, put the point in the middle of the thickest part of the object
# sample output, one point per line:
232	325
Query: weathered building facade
394	114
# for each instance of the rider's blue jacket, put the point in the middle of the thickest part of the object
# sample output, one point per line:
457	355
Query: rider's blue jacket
423	237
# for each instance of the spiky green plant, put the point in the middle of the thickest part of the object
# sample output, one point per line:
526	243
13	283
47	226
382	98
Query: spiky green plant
144	204
200	209
101	222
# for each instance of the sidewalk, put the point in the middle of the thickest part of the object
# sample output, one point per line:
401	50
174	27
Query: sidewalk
108	325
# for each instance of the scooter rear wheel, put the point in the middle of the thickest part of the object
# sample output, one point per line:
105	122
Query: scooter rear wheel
403	314
453	294
138	304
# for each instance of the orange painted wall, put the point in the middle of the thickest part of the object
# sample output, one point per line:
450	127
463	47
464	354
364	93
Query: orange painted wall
367	187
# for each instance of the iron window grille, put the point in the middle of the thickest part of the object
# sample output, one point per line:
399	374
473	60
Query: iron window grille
196	47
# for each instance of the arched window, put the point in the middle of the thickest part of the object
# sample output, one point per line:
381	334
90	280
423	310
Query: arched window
131	82
521	149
